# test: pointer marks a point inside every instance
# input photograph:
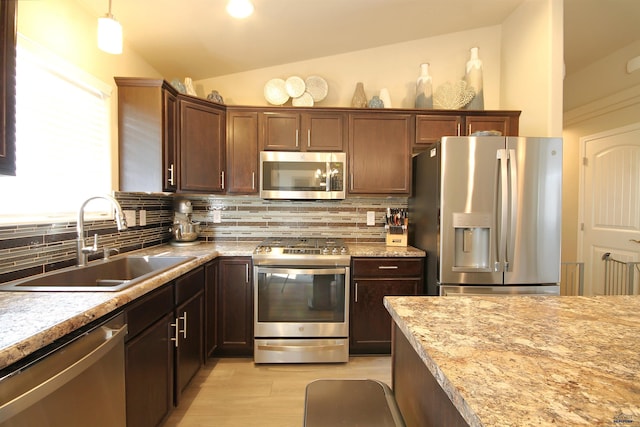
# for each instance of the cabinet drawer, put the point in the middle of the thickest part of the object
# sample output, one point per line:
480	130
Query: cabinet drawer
385	267
143	313
189	285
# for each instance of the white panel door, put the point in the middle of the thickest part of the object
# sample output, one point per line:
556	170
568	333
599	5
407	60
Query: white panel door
611	201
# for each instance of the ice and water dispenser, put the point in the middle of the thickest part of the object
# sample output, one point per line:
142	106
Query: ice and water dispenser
472	245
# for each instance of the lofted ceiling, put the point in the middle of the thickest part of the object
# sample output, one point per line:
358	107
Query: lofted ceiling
197	38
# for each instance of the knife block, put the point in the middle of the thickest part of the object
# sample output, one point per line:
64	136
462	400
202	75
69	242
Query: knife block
396	239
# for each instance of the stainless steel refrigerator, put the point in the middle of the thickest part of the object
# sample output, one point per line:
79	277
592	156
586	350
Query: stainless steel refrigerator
487	210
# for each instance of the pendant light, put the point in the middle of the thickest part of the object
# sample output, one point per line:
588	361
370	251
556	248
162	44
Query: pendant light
109	34
239	8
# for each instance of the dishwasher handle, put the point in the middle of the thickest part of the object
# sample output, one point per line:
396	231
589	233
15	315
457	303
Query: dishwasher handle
112	338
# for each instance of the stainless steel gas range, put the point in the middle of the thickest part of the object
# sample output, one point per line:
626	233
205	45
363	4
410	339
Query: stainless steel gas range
301	301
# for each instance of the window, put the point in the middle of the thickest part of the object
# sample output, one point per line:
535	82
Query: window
62	139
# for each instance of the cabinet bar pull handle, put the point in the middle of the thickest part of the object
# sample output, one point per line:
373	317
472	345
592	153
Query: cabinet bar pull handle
356	293
246	273
222	179
458	129
171	174
387	267
297	144
469	129
308	137
351	181
253	180
176	332
184	320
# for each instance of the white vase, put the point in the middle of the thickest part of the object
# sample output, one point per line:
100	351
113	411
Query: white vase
385	97
473	77
424	90
188	84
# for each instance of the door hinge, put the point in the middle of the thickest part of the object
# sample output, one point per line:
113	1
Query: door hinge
582	226
585	161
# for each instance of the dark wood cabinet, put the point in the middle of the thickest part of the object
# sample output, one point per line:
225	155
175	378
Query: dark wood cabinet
235	307
372	280
430	128
379	153
189	328
433	126
307	131
149	359
164	348
202	145
242	152
211	307
148	134
169	141
8	87
507	125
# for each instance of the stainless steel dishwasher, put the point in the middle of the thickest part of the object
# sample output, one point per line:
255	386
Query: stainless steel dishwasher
79	384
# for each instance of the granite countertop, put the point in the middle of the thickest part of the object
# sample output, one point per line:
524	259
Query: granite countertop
381	250
530	360
33	320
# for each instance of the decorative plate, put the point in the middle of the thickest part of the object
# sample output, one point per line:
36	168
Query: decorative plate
305	100
317	87
275	92
295	86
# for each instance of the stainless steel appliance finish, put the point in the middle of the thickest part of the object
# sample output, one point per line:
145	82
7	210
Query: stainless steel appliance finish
469	291
301	301
487	210
79	384
302	175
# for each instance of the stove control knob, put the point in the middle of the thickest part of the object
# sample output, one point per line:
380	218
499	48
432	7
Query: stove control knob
267	249
334	251
343	250
325	251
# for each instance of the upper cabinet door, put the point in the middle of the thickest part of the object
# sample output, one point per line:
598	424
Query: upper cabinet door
323	131
8	87
242	152
202	142
507	125
280	131
379	157
430	128
170	140
306	131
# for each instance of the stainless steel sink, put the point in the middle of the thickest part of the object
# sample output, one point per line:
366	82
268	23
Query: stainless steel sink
113	275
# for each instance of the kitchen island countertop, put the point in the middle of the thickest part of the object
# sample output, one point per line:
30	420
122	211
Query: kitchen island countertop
529	361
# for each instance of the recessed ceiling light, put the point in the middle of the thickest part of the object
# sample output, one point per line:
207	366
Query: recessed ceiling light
239	8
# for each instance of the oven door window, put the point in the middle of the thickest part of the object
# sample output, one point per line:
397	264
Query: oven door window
298	295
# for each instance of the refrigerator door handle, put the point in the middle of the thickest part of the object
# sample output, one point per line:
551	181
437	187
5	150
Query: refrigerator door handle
513	195
503	207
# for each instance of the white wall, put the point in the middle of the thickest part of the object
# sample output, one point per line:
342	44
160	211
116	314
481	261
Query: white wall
395	67
532	49
70	32
599	97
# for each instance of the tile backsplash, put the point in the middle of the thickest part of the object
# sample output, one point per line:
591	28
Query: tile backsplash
26	250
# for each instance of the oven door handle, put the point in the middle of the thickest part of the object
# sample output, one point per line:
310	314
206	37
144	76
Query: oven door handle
290	271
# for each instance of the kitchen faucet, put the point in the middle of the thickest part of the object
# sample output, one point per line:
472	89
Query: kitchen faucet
83	251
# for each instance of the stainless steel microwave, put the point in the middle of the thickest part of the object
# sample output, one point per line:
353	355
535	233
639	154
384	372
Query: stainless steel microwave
302	175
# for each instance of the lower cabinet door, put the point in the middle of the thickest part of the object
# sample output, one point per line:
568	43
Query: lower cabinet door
190	349
370	326
149	375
